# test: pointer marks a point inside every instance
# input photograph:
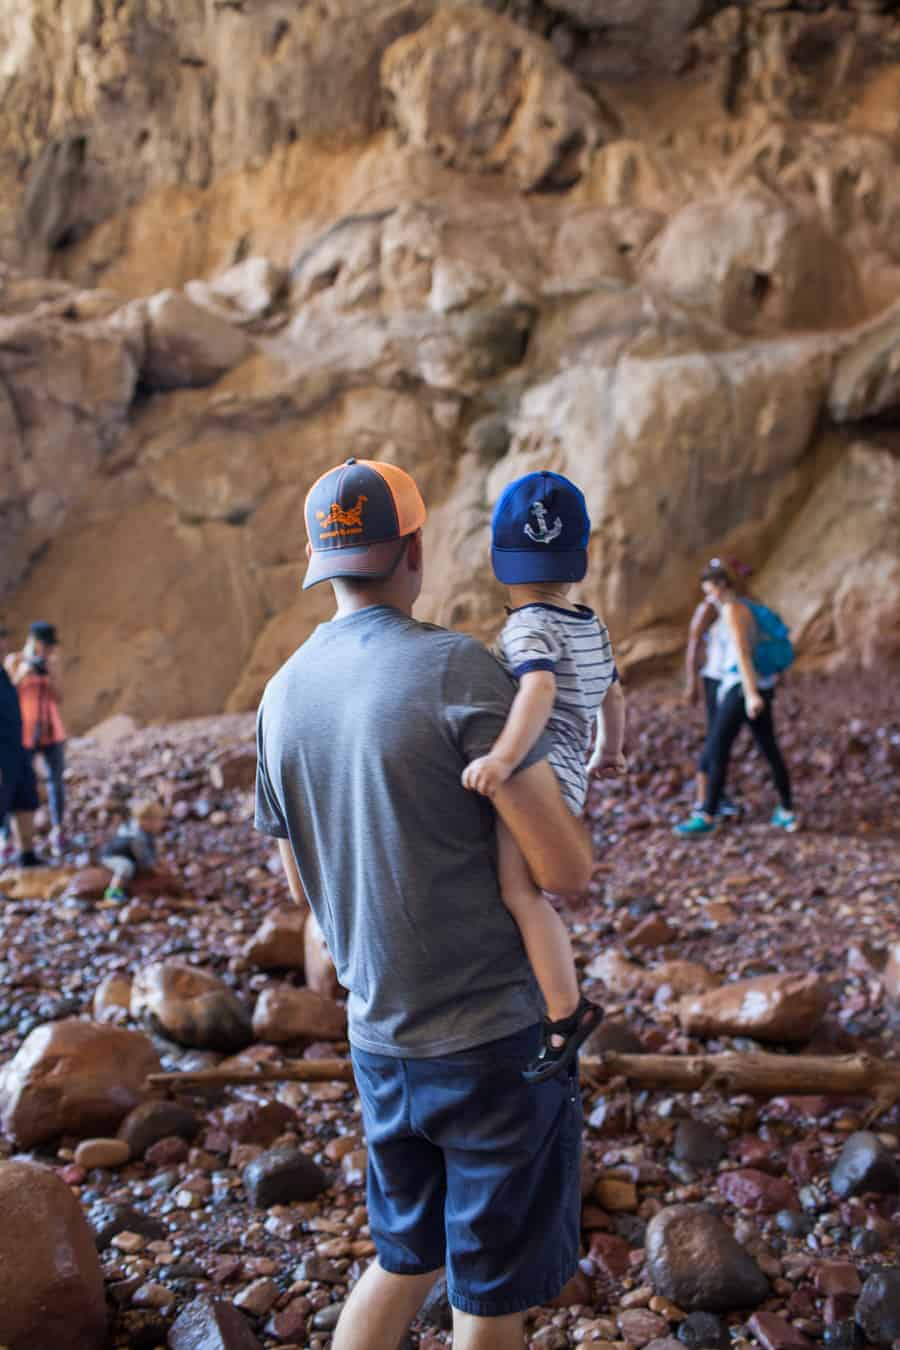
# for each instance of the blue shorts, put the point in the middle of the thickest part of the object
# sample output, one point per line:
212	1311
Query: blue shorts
472	1168
18	785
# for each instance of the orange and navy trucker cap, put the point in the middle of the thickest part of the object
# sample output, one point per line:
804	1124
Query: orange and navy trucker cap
355	516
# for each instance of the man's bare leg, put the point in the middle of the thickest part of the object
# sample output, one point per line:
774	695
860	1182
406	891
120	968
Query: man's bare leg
380	1309
488	1333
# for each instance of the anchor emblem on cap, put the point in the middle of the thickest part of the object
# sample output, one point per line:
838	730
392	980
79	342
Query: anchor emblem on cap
545	533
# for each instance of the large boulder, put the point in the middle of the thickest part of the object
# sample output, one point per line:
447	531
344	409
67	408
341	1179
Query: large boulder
191	1006
187	345
835	573
756	265
73	1077
777	1008
51	1283
481	93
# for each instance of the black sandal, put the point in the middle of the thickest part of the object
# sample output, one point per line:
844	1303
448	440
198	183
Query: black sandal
552	1059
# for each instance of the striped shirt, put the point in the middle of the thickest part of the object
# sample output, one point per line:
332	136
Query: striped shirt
575	646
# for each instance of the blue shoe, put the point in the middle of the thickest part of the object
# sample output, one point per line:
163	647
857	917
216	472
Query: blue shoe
784	820
115	893
695	824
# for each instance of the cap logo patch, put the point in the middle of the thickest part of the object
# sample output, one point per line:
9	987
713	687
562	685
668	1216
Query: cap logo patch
543	532
345	522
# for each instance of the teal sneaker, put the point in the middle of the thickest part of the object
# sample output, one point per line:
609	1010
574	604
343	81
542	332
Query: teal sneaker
784	820
115	893
695	824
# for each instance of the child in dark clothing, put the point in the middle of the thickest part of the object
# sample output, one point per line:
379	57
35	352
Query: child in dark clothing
133	847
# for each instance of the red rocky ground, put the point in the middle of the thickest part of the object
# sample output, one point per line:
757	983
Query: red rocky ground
746	902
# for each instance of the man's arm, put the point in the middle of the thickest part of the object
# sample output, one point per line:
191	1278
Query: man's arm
702	620
555	844
295	886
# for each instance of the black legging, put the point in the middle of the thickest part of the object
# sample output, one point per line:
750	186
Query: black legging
711	699
731	714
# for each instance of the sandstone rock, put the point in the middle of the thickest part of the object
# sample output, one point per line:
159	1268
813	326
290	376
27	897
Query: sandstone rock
112	997
755	265
191	1006
779	1008
281	1176
278	943
257	1122
102	1153
865	1164
51	1284
775	1333
73	1077
704	1331
88	884
748	1188
835	575
243	293
187	345
212	1324
541	127
155	1120
878	1310
320	976
693	1259
283	1014
866	378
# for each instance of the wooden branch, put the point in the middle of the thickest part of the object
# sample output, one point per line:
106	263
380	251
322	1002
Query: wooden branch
293	1071
758	1075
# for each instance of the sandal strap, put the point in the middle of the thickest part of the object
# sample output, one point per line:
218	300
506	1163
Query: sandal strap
564	1026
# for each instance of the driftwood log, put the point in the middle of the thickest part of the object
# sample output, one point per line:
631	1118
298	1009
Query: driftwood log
757	1075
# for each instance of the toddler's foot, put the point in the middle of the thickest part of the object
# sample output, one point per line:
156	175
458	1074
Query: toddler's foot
115	893
561	1040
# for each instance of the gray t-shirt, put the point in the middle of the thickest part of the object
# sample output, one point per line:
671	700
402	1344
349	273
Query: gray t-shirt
362	737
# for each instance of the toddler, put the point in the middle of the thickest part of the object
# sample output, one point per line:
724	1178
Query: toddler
561	656
133	847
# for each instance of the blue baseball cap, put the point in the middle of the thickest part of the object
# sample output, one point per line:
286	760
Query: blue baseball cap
540	531
355	515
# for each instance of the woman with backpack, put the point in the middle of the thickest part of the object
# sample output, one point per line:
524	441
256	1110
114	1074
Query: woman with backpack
749	661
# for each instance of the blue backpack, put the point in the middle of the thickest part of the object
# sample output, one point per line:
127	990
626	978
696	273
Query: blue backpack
773	651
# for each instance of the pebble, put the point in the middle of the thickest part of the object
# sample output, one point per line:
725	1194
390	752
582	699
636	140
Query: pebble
102	1153
258	1297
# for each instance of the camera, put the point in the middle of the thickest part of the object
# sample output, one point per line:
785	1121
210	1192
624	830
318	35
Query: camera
38	665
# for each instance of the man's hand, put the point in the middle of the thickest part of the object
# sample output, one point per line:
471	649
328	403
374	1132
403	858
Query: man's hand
754	704
486	774
607	765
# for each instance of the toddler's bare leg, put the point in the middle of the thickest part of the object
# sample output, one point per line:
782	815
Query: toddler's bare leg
543	931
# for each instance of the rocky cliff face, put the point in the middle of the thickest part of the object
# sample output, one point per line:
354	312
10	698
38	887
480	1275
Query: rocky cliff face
651	245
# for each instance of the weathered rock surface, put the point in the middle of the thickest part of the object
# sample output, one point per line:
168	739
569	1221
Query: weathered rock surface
191	1006
775	1008
649	244
73	1077
693	1259
51	1283
524	114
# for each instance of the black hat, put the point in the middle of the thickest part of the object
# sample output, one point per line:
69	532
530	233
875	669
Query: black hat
44	632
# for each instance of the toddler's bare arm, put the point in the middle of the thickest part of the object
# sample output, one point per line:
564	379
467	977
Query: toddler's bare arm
527	719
